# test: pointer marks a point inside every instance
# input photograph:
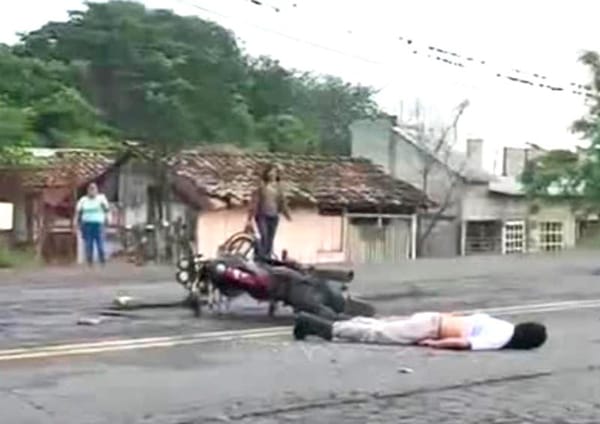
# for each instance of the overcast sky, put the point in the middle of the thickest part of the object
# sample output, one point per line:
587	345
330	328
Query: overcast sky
358	40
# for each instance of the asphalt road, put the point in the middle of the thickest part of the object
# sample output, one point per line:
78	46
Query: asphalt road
216	370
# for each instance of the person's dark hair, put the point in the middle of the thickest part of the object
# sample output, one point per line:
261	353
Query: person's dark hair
527	335
265	176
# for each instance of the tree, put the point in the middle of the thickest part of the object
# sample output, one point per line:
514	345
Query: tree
334	105
440	169
286	133
156	76
326	105
564	173
120	69
15	125
38	104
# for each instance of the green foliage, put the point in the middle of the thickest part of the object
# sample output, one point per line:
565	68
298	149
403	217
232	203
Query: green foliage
568	174
16	258
286	133
557	171
120	70
39	106
15	125
326	105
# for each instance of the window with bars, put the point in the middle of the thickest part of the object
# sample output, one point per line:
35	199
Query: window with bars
514	237
551	236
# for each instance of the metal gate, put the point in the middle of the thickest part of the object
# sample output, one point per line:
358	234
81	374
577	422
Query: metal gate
385	239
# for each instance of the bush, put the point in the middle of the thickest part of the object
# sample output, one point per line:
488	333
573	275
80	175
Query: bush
16	258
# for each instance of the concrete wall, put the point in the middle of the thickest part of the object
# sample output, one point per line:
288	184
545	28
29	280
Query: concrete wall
549	213
515	158
309	237
480	205
374	140
443	240
513	161
475	151
420	170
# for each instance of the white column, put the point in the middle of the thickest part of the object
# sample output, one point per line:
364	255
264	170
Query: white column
345	224
413	236
463	237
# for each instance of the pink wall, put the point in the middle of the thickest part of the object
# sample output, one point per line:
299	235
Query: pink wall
309	237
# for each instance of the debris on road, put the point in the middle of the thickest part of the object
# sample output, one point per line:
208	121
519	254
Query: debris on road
122	301
89	321
405	370
118	314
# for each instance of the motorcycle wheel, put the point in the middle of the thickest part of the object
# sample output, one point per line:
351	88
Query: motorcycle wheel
195	300
196	306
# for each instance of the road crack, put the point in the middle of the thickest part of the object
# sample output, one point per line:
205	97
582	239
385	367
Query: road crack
342	401
27	400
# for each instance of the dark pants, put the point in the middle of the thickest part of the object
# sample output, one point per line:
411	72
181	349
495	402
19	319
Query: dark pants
267	227
92	233
305	294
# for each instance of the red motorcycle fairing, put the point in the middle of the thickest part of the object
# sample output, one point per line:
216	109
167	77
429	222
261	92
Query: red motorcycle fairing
231	277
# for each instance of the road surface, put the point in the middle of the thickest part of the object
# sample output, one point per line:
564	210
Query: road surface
163	366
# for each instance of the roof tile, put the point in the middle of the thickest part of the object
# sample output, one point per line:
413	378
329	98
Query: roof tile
67	168
330	181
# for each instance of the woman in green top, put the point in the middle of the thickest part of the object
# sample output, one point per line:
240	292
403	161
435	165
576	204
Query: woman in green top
267	203
92	214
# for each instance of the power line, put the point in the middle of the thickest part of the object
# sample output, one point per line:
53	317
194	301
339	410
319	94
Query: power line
303	41
275	8
300	40
287	36
515	75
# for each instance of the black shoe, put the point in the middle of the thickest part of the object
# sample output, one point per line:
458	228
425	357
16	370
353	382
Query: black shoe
312	325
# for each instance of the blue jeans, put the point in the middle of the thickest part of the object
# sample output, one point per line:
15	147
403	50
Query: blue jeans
92	233
267	228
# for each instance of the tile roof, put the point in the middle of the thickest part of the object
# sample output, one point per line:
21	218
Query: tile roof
329	181
67	168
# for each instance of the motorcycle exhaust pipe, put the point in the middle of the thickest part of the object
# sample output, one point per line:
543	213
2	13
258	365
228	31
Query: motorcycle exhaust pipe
340	275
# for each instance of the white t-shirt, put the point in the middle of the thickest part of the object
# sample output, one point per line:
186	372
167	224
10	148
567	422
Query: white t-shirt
488	333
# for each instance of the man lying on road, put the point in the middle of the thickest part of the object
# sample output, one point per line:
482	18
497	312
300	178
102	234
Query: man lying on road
431	329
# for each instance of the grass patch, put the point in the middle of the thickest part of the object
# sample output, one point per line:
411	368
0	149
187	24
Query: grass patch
16	258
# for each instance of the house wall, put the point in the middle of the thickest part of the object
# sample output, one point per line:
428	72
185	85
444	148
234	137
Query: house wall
444	239
379	239
20	230
481	205
548	213
134	180
515	159
309	237
469	202
374	140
